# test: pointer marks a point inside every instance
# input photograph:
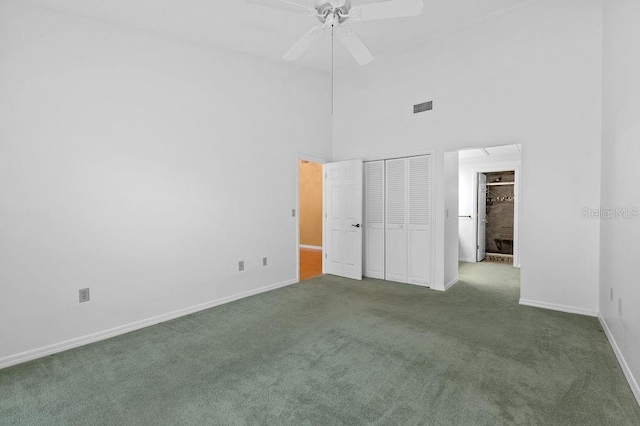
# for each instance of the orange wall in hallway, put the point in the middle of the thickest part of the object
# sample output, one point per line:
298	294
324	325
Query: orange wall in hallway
310	203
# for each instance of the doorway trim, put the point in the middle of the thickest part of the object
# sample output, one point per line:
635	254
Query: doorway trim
506	166
312	159
477	210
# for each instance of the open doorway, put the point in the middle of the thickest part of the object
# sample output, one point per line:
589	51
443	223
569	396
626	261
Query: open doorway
489	199
309	218
488	219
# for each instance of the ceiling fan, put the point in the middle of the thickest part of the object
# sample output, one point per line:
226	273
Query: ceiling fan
335	13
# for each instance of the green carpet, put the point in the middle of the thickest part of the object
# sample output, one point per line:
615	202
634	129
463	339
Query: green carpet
331	351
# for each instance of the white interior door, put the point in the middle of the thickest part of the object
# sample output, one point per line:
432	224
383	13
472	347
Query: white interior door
374	219
396	221
481	246
343	219
419	223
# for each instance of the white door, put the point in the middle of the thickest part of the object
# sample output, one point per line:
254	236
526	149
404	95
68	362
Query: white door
374	219
482	218
343	219
419	223
396	220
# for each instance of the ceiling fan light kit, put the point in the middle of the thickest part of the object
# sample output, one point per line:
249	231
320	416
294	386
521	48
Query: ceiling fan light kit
335	13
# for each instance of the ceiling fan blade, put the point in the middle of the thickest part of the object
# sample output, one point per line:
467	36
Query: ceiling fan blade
290	5
386	10
304	43
354	44
301	7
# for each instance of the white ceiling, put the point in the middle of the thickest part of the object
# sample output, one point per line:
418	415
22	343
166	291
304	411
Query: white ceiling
268	32
493	151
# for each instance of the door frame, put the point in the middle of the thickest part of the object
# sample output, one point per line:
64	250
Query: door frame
477	215
506	166
312	159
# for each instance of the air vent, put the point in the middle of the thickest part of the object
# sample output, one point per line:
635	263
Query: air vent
425	106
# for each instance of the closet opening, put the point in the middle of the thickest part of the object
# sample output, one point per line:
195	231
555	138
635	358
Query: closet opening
496	216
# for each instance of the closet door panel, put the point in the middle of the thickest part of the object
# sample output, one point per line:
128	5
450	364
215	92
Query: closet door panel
419	220
396	220
419	257
374	260
396	255
374	219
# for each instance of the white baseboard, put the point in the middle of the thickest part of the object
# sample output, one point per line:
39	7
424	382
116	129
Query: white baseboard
308	247
467	260
451	283
633	383
561	308
106	334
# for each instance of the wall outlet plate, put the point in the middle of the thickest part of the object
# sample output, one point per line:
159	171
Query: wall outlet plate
264	261
84	295
241	265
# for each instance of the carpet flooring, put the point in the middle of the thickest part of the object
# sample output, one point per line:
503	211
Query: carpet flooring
331	351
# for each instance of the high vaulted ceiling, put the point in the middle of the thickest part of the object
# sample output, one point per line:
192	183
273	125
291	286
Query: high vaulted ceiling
254	28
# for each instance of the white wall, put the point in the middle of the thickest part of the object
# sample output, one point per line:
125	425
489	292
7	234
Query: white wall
144	168
532	77
619	238
451	218
468	199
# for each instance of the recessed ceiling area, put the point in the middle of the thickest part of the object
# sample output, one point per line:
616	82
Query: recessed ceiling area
493	151
268	28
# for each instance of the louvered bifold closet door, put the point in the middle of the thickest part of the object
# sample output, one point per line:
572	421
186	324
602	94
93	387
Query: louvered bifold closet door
374	219
419	226
396	220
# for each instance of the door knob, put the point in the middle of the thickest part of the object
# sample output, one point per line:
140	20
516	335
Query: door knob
357	225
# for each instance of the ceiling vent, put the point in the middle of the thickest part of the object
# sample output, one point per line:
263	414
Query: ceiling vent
423	107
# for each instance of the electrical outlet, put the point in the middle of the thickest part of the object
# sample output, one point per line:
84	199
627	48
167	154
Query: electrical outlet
83	295
241	265
264	261
620	307
611	294
293	212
